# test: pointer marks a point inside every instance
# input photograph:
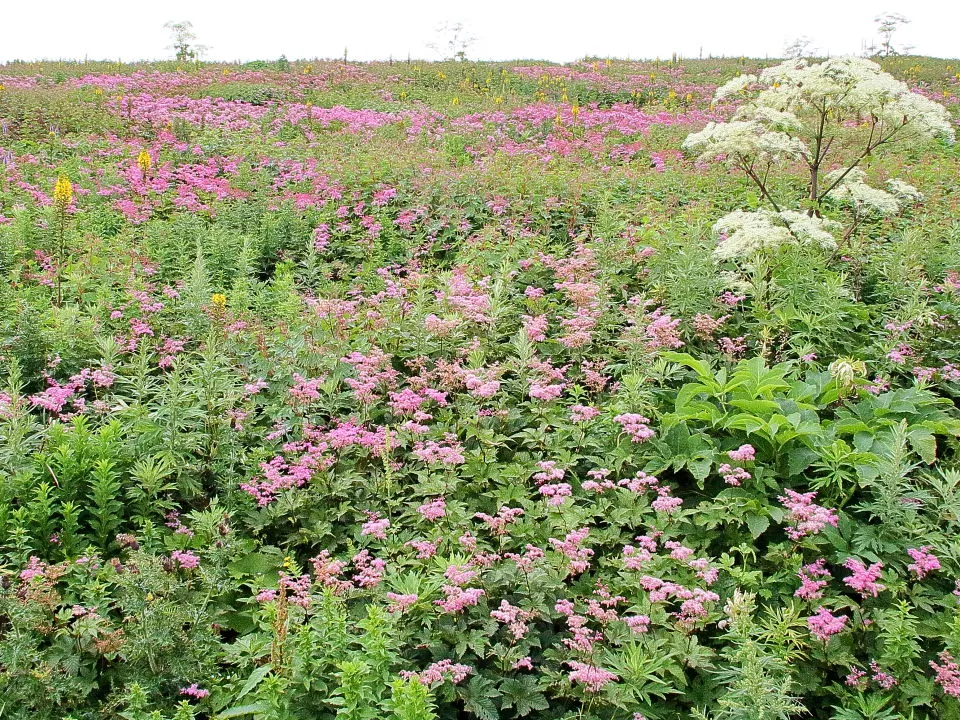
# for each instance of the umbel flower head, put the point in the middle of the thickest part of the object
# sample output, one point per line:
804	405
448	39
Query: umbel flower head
63	192
742	233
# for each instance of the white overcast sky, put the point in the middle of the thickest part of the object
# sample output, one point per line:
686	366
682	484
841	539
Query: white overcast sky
559	30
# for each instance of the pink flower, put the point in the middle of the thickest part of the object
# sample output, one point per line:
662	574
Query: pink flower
546	392
811	588
638	623
513	617
194	691
375	526
591	677
948	674
864	579
635	426
438	672
804	516
823	624
582	413
924	561
458	598
399	603
733	475
433	510
744	453
185	559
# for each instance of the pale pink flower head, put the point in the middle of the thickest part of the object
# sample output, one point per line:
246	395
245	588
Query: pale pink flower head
924	561
824	624
593	678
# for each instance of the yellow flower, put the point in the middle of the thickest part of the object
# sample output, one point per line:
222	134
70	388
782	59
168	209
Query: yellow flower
219	300
307	69
63	191
144	161
455	101
575	110
498	99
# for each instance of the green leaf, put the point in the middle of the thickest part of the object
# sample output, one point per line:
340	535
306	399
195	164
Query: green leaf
799	459
242	710
924	444
757	524
256	677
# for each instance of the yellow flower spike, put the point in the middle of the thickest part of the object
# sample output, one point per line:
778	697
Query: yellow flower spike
575	110
219	300
63	192
498	99
607	62
455	101
144	161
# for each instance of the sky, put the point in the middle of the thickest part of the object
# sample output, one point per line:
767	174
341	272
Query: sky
560	31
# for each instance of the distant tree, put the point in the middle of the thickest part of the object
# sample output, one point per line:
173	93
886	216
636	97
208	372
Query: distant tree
798	48
182	37
453	41
887	25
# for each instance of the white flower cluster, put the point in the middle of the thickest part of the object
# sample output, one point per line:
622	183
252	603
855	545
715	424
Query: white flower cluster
744	138
732	87
865	200
847	87
852	87
742	234
904	191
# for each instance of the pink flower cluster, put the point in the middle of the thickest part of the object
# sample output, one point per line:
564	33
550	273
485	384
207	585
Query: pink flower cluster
593	678
804	516
823	624
924	561
635	426
864	579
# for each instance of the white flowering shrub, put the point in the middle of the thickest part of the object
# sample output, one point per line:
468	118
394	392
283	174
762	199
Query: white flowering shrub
834	113
743	233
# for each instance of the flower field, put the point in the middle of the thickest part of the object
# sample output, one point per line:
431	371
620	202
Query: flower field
614	390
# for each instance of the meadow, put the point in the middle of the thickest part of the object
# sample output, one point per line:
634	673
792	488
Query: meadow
455	390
